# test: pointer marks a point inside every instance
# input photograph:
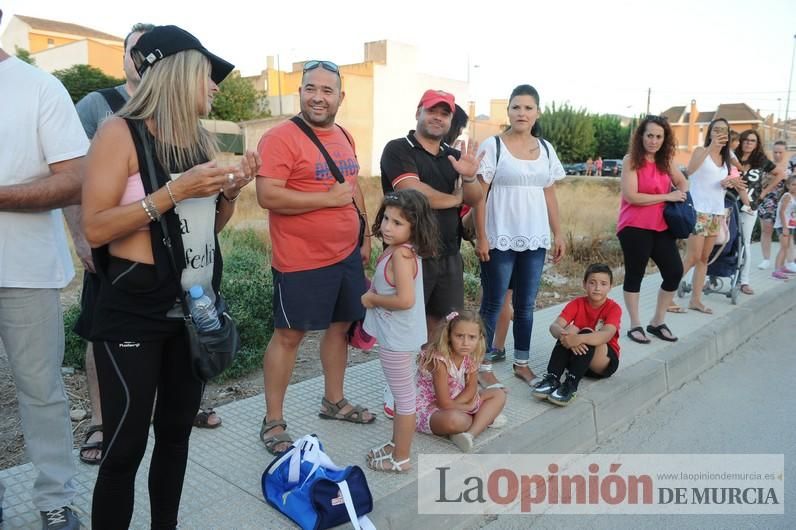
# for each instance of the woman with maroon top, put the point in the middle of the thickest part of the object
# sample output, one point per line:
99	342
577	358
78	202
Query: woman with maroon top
648	174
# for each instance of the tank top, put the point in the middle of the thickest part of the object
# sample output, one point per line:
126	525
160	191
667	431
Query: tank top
397	330
705	187
653	181
790	213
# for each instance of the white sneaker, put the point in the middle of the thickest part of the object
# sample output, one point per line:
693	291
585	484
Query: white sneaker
791	266
389	402
763	265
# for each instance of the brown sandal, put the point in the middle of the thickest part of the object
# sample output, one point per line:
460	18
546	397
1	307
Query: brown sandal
331	411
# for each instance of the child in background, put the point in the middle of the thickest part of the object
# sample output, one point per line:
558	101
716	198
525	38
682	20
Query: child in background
448	400
396	314
588	339
785	224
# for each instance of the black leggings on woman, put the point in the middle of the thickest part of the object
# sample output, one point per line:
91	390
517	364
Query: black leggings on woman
639	245
129	374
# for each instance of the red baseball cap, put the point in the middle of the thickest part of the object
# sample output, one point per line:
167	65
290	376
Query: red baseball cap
433	97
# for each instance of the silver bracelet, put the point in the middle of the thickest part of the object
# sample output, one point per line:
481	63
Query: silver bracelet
145	206
171	195
152	209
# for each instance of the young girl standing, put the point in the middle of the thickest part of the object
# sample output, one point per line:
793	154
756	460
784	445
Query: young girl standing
448	400
396	314
785	225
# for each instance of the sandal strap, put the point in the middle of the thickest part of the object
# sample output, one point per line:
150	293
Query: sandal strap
268	425
484	368
520	363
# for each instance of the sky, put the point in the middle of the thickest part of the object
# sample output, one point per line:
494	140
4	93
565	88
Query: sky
599	55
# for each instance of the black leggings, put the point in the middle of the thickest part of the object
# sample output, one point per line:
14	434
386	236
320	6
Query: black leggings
562	358
129	374
639	246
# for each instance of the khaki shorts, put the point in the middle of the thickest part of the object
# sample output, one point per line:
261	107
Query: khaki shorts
707	224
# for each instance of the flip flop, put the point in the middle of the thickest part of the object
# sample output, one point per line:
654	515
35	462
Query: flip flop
640	330
703	309
89	446
658	332
674	308
202	419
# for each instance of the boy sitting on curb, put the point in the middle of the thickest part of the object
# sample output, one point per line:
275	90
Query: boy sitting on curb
588	339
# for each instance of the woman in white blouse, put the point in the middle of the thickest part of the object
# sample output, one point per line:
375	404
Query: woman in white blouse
514	223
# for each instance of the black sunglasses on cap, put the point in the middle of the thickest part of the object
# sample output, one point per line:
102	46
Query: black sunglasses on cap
326	65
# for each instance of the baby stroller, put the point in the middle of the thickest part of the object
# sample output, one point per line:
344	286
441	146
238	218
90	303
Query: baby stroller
726	261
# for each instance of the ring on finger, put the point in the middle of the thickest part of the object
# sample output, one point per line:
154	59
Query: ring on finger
230	177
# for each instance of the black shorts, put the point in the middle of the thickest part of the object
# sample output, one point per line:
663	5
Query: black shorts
613	365
443	284
313	299
88	301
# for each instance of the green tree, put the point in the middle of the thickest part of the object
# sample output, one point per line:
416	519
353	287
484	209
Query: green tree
570	130
81	79
24	55
237	100
611	139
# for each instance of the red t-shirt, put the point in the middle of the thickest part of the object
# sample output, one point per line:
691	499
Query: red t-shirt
584	315
322	237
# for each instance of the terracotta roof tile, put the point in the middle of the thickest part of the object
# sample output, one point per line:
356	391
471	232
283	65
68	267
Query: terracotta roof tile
737	112
65	27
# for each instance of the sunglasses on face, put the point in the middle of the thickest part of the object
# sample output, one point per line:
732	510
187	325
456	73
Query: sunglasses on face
326	65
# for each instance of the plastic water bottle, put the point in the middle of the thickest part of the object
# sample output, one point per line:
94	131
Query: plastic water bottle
203	311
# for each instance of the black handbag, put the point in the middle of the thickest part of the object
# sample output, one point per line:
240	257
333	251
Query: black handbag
680	217
212	352
338	176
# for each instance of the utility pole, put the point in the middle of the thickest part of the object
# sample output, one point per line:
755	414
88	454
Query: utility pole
790	80
649	93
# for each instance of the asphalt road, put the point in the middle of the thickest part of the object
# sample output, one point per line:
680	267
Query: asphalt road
744	404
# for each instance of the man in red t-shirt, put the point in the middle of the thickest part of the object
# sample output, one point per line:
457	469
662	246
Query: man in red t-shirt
588	339
317	261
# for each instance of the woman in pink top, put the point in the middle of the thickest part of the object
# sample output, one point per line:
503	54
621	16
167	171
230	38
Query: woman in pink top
648	174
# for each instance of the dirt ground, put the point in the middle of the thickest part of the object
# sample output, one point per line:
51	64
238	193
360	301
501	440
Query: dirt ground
12	450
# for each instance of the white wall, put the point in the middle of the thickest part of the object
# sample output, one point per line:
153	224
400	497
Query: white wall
62	56
15	36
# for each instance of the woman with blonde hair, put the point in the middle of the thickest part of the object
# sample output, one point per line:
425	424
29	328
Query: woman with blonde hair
137	329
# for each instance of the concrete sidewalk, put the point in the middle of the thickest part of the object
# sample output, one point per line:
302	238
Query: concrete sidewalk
222	485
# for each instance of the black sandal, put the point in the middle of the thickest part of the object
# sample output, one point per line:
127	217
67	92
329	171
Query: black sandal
88	446
658	332
640	330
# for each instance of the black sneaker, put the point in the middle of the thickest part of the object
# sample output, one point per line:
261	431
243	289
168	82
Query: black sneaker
62	518
564	394
545	387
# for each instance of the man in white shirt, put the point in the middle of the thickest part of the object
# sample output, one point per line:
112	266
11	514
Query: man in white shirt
41	148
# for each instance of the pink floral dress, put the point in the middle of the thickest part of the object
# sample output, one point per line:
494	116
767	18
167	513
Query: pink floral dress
426	397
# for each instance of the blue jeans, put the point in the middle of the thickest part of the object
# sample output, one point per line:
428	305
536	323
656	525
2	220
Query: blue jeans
526	267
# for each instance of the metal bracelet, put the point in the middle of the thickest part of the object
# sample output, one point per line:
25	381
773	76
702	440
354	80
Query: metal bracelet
152	210
146	209
171	195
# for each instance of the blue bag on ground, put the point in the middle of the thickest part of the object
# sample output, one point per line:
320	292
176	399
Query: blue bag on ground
680	217
305	485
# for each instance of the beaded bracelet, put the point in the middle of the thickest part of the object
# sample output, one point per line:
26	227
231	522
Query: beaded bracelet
171	195
152	210
146	209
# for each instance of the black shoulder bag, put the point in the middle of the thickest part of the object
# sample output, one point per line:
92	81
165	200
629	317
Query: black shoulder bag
211	351
338	176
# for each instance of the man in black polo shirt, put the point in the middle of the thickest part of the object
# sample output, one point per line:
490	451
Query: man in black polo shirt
422	161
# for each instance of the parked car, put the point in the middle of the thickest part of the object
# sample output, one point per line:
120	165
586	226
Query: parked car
578	168
612	167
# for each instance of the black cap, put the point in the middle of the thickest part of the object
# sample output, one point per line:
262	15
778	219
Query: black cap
168	40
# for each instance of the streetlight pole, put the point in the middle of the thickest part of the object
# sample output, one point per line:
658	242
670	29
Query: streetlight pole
790	81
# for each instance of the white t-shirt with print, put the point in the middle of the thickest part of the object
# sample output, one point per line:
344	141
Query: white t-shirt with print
516	212
38	126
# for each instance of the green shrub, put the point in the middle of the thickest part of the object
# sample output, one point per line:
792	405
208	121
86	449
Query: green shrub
75	347
248	289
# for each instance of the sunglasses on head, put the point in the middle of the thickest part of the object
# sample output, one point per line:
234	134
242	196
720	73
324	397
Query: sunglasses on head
326	65
655	118
391	197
